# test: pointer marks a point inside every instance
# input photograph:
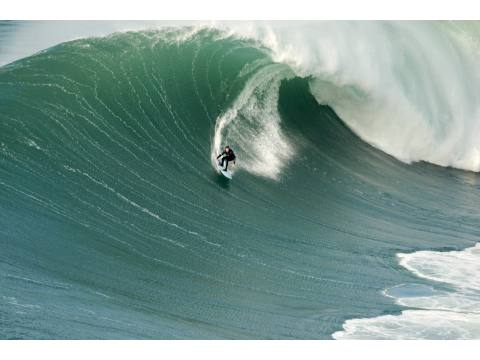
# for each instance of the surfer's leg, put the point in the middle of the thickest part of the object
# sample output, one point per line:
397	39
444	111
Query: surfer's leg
226	164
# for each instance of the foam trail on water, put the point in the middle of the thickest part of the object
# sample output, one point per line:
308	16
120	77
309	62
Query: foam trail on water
443	314
252	125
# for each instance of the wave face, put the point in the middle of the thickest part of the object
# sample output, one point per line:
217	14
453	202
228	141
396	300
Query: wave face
114	223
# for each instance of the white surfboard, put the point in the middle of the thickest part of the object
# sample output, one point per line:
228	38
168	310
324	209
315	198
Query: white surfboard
227	174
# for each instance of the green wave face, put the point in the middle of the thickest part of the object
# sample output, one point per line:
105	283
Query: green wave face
115	224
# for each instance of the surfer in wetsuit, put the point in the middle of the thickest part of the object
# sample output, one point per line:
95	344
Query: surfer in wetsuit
227	155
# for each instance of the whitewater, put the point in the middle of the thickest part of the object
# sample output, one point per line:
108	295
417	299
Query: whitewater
352	212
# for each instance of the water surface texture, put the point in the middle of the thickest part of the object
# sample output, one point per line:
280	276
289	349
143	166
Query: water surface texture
352	213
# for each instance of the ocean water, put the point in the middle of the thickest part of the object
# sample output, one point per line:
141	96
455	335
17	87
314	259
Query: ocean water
353	210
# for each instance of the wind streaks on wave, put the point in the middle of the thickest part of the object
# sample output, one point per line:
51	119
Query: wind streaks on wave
77	144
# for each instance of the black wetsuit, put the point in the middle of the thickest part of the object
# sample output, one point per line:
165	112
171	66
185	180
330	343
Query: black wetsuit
226	157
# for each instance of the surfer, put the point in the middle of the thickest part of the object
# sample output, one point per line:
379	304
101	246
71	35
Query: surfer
227	155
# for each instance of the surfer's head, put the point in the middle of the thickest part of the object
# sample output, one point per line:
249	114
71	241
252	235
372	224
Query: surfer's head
227	148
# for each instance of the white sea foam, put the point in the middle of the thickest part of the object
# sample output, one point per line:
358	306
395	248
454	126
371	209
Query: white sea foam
436	314
32	143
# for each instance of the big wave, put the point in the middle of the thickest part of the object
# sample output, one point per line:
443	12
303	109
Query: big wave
113	218
407	88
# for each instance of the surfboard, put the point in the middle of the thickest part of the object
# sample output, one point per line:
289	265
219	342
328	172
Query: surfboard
227	174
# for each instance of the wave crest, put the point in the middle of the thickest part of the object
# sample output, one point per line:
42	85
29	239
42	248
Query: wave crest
407	88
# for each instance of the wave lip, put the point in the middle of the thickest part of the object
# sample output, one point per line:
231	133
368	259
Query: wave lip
441	314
